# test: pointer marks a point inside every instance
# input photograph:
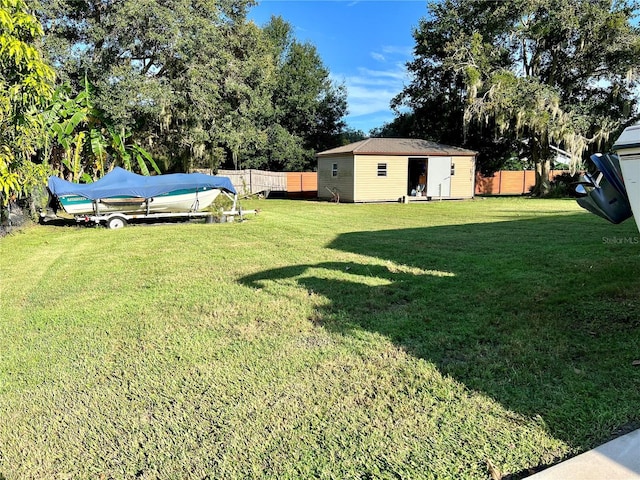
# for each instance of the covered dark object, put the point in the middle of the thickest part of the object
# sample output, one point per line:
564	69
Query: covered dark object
602	189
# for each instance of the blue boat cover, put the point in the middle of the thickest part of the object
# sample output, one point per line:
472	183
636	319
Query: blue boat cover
122	183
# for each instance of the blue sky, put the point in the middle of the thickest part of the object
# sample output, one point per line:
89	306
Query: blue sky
365	44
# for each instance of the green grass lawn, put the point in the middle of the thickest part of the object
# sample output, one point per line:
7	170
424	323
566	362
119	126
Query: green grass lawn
320	341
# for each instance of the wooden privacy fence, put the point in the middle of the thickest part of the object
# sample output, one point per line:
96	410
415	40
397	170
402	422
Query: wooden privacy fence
506	182
302	184
252	181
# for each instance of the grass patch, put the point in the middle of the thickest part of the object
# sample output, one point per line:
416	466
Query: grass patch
319	340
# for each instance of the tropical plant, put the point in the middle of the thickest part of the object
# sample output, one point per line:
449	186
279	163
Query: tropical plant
83	145
129	155
25	87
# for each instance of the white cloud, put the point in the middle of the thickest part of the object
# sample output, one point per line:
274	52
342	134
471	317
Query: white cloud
363	100
396	50
396	72
370	88
370	91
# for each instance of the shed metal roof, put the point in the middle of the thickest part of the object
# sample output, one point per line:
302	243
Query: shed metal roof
396	146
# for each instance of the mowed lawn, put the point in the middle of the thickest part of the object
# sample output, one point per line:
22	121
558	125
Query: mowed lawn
318	340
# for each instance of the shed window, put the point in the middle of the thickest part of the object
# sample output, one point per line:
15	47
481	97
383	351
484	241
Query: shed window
453	169
382	169
334	170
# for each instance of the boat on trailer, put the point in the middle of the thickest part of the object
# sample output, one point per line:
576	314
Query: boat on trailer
121	195
610	187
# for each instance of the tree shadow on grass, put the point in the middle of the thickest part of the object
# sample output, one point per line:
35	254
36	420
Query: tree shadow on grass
540	314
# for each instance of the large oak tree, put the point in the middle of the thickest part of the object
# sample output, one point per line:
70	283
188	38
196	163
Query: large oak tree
534	72
197	83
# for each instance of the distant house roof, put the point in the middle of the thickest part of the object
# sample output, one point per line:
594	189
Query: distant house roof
396	146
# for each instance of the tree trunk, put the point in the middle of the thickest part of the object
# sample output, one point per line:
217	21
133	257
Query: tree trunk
543	185
234	156
541	155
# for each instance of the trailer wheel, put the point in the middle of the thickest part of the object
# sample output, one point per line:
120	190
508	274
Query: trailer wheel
116	222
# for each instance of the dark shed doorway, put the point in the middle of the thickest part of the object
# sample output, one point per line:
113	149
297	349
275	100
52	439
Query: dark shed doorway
417	178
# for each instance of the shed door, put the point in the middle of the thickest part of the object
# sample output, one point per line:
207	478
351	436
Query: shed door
439	177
